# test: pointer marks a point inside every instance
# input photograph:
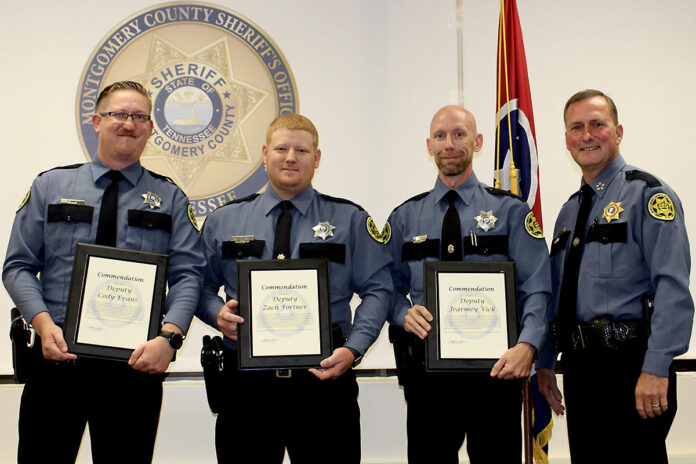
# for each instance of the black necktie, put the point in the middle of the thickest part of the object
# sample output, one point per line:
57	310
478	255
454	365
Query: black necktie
451	237
281	245
106	228
571	270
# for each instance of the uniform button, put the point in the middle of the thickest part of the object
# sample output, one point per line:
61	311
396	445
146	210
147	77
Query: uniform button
69	218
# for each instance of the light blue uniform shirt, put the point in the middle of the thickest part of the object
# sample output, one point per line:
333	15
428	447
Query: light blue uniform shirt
47	228
508	241
358	262
629	253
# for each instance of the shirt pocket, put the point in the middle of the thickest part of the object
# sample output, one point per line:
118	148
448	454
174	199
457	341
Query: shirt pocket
603	246
148	231
485	246
67	224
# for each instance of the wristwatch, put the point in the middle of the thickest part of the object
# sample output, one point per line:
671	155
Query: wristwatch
175	339
357	357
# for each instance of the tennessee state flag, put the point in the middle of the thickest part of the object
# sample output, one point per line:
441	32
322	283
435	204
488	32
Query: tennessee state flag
516	161
517	166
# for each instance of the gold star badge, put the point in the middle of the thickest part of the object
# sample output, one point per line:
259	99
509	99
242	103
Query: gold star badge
323	230
612	210
152	200
486	220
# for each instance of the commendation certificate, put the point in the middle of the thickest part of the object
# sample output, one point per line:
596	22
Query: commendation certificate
475	314
117	302
472	318
285	309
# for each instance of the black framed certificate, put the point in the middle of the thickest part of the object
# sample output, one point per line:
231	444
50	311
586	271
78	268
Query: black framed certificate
116	300
287	313
474	305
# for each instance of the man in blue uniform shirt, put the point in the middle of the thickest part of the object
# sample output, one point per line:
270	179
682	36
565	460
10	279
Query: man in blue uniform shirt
121	402
621	307
491	225
313	413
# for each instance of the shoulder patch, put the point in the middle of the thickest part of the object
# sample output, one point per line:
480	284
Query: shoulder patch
386	232
374	231
532	226
495	191
340	200
69	166
414	198
648	178
660	206
26	199
192	218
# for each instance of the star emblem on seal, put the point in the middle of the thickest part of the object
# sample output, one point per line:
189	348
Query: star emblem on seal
152	200
486	220
323	230
612	210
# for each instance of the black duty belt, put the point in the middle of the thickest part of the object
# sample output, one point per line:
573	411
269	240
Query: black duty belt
605	333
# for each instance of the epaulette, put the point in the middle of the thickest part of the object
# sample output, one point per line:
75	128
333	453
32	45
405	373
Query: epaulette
70	166
648	178
577	192
242	200
340	200
160	176
495	191
414	198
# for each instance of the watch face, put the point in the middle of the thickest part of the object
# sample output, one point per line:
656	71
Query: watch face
175	339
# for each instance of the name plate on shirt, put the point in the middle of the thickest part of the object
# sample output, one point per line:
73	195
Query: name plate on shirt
116	300
475	314
287	313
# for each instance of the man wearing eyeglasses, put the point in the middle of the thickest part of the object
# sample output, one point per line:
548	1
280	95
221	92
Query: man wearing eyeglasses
78	203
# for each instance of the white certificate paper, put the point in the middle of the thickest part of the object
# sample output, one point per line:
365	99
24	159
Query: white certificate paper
472	315
117	303
284	313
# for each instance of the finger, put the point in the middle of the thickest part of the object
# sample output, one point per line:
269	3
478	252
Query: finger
136	355
498	367
423	312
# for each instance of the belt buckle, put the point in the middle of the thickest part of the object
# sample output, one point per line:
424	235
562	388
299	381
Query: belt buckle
578	339
283	373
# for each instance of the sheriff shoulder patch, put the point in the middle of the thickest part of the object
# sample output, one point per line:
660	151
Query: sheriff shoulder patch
373	230
532	226
26	199
192	218
661	207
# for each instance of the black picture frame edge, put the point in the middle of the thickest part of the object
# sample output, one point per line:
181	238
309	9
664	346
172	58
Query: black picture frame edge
433	363
84	251
244	357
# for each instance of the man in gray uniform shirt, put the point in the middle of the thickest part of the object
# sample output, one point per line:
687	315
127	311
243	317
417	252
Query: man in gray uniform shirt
488	225
146	212
312	413
621	307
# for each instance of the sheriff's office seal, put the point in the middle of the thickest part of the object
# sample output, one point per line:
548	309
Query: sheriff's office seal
661	207
216	81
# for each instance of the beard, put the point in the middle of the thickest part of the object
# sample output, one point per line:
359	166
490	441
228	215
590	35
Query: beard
452	167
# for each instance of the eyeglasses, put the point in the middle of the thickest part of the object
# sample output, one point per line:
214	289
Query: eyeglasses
123	117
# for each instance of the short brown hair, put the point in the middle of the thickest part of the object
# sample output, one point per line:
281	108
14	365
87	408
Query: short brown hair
591	93
293	121
124	85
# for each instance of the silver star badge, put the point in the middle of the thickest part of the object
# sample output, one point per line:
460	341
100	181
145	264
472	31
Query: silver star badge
323	230
486	220
152	200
